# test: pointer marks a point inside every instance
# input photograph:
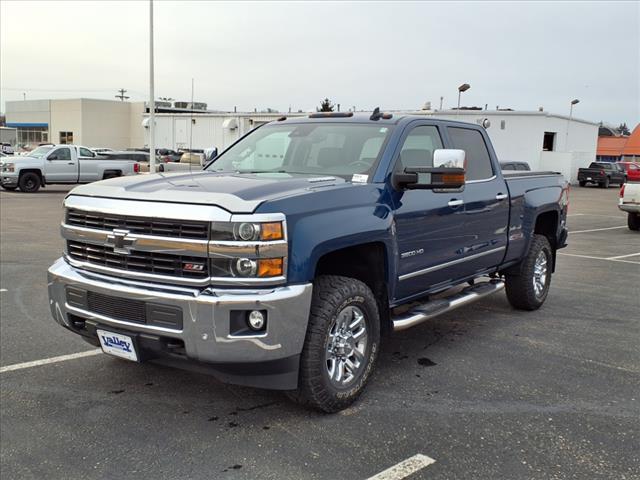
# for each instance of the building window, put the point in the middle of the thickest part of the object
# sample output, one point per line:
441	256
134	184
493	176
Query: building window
32	136
549	142
66	138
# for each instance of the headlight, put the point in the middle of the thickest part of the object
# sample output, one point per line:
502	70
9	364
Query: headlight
9	167
251	250
247	231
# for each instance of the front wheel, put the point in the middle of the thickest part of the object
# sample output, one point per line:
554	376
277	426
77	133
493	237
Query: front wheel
633	221
29	182
341	345
528	289
605	183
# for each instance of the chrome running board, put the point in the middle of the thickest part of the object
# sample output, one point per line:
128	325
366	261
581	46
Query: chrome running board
433	308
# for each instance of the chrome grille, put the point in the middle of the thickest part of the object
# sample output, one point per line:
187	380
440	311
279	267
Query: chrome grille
139	225
137	261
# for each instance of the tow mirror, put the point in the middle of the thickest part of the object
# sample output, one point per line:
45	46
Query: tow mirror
447	172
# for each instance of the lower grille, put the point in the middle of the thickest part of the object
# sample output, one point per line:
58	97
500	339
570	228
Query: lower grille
147	262
116	307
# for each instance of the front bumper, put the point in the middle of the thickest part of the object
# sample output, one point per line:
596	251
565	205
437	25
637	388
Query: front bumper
9	179
205	334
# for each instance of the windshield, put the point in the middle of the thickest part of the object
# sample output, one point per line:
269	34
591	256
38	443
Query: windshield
39	152
310	148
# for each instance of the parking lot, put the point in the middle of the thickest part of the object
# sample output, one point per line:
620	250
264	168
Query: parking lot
485	391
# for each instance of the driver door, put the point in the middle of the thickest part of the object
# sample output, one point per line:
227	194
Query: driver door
61	167
429	224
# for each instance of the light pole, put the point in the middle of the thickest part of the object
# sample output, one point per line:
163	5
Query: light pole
566	138
152	102
462	88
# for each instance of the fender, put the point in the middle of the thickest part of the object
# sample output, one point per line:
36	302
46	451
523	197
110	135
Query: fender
328	231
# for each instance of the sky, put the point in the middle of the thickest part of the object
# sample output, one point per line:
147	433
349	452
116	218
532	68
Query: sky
396	55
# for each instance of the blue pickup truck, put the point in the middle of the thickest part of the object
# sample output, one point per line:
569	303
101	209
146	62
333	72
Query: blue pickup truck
284	262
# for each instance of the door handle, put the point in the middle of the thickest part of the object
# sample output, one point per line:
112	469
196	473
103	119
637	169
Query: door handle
501	196
455	203
70	163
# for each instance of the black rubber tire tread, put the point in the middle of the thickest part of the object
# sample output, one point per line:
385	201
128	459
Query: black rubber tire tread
330	293
9	189
24	179
606	183
519	288
582	184
633	221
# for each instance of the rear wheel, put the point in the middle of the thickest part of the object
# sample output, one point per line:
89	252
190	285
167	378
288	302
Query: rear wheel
29	182
633	221
528	289
605	183
582	183
341	345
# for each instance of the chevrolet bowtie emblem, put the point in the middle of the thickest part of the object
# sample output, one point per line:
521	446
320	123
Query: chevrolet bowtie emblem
121	242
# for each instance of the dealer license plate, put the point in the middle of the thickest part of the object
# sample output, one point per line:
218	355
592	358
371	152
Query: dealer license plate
588	178
117	345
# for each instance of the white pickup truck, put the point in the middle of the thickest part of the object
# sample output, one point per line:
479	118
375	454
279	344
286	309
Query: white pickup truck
60	164
630	202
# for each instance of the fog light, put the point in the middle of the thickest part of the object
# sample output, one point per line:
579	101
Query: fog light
256	320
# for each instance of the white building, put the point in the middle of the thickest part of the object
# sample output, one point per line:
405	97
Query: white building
84	121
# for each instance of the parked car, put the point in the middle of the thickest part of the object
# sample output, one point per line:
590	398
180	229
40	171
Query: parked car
602	173
520	166
189	161
630	202
280	264
135	156
632	170
168	155
7	149
59	164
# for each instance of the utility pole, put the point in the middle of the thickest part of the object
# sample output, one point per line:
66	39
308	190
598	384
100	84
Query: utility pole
152	102
122	95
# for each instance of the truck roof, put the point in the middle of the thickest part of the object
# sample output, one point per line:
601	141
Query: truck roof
388	118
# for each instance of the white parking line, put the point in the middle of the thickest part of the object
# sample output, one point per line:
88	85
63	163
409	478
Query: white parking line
46	361
623	256
405	468
593	215
595	230
3	290
613	259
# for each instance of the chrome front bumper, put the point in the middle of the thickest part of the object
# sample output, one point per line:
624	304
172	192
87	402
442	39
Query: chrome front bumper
206	315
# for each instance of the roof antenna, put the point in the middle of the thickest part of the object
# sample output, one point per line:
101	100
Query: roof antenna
376	115
191	134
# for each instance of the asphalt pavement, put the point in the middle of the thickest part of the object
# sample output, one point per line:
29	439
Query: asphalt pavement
486	391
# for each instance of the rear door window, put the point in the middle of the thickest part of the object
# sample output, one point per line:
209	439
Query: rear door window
478	160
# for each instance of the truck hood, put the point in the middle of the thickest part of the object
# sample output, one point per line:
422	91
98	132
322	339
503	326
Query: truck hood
236	193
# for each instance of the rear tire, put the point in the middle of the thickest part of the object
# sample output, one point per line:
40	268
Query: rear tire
582	183
633	221
29	182
606	182
528	289
341	345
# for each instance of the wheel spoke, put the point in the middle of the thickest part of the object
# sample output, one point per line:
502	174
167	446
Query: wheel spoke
358	318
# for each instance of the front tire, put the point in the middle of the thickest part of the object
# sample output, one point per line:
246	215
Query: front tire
528	289
633	221
29	182
341	345
605	183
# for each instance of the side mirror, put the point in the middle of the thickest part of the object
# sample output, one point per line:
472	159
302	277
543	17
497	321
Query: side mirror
447	172
210	154
52	157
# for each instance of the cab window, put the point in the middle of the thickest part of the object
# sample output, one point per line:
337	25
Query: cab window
61	154
418	147
477	158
